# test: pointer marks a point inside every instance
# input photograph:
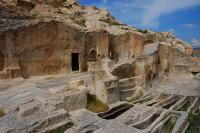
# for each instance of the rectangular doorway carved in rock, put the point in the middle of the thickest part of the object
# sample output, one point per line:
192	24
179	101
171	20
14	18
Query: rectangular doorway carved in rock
75	61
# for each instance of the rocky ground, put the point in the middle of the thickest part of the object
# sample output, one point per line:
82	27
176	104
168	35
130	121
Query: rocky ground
44	104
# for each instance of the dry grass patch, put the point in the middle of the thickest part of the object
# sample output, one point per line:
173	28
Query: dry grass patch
80	20
162	97
110	21
95	105
2	113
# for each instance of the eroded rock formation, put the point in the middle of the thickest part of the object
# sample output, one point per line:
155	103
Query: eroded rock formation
54	53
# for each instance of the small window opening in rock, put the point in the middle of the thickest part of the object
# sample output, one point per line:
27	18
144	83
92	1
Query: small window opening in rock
93	55
112	55
1	62
75	61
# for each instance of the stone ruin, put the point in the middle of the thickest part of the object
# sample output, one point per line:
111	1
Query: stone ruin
53	54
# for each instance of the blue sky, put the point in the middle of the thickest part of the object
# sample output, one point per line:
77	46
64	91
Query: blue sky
181	17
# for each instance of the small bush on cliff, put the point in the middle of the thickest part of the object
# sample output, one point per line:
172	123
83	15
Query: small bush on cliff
95	105
80	20
142	31
110	21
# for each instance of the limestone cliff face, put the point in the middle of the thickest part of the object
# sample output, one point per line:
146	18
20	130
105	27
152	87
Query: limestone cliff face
46	47
40	37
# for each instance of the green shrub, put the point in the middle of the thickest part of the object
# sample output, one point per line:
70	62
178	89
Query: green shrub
194	120
95	105
142	31
2	113
80	20
110	21
169	125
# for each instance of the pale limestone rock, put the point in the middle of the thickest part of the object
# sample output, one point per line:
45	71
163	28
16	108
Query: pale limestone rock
150	49
29	108
75	83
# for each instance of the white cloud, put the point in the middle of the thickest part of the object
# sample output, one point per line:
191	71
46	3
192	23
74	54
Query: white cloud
172	30
188	25
196	43
147	12
157	8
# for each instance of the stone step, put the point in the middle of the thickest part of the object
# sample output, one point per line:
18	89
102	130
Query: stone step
59	127
59	118
126	87
143	99
124	94
132	80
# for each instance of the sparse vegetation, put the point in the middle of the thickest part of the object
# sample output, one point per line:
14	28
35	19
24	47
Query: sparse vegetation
162	97
142	31
41	16
80	20
110	21
186	105
2	113
170	124
95	105
137	96
194	120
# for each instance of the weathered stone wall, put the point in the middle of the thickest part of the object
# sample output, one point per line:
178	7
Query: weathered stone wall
125	70
172	61
105	87
137	45
162	60
165	60
99	42
46	48
147	68
151	68
125	46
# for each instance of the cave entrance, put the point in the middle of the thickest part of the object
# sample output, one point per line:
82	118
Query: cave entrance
1	62
75	61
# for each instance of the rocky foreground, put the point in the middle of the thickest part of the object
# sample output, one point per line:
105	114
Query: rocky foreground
76	69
